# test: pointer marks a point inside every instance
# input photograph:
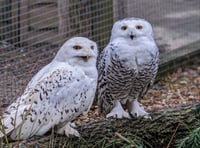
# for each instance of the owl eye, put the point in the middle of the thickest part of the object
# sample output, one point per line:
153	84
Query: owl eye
139	27
123	27
92	47
77	47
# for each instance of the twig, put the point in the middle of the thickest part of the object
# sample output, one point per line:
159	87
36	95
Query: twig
123	138
173	136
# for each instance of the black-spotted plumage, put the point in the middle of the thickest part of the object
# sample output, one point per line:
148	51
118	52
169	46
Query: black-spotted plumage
127	68
56	95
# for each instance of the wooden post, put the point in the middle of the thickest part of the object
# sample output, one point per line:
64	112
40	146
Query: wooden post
75	18
23	21
120	9
15	22
6	21
63	18
102	21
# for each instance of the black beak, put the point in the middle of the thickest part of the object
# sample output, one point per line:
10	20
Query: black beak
132	36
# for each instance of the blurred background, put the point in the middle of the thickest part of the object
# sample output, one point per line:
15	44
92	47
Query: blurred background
32	31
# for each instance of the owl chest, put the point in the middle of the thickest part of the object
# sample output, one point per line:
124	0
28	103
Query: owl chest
128	72
79	102
143	76
86	95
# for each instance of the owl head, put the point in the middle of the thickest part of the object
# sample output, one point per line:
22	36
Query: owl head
131	29
78	50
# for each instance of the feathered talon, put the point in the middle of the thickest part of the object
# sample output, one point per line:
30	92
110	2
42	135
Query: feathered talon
118	112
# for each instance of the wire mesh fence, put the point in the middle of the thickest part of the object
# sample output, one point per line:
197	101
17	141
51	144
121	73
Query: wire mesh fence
31	31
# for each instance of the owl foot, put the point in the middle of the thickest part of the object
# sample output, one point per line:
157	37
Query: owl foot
118	112
68	130
137	111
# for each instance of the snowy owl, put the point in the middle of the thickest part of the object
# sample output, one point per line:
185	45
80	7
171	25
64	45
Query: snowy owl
57	94
127	68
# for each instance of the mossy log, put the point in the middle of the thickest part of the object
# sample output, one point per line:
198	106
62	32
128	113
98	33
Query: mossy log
163	130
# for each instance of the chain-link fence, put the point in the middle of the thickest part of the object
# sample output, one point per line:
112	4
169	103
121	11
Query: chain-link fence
31	31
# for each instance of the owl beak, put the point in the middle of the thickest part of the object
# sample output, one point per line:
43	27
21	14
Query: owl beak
85	58
132	36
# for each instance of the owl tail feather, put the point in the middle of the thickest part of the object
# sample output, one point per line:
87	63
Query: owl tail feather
5	127
11	120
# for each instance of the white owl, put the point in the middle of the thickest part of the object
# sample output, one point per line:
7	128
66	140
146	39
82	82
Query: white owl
127	68
57	94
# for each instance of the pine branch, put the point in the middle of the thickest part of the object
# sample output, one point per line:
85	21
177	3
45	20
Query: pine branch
164	130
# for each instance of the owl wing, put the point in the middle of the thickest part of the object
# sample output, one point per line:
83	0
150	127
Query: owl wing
35	108
153	68
101	62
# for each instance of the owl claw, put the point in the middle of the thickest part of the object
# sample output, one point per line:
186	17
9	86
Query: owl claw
137	111
118	115
118	112
140	114
68	130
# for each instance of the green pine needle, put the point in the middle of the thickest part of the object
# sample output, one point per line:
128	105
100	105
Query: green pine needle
192	140
197	110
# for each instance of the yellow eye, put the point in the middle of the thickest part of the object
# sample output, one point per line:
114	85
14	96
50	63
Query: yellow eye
92	47
77	47
123	27
139	27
